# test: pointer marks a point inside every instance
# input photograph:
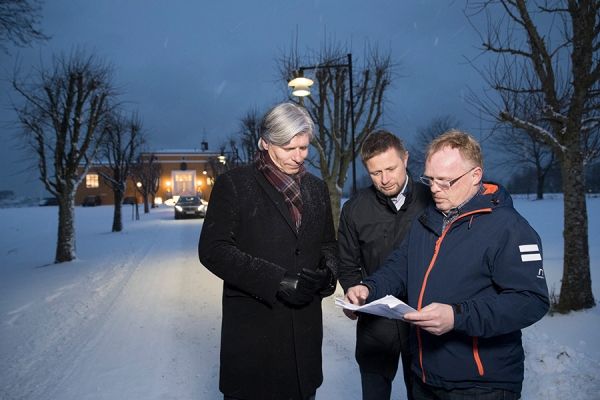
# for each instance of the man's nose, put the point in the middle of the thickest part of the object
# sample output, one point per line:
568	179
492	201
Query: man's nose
297	156
385	177
434	187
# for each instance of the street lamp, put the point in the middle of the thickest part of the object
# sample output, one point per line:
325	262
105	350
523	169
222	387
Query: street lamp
301	88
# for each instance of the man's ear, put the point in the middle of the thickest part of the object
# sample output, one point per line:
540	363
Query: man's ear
478	175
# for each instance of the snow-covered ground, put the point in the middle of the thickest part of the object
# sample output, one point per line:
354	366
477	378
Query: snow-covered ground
136	316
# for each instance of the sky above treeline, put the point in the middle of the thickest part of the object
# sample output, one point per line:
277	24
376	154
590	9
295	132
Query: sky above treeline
191	68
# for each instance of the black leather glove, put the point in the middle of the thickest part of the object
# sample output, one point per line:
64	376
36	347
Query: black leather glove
296	289
320	278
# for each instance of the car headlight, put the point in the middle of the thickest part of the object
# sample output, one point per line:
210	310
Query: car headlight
178	208
200	207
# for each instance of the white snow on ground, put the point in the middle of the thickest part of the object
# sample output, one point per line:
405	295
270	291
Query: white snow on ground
136	316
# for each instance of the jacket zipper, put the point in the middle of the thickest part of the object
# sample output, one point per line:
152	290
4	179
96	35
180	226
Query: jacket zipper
438	243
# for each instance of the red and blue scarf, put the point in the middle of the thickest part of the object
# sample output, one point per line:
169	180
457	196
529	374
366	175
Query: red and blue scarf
287	185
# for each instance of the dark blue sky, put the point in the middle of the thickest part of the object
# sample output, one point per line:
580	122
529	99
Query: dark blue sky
194	67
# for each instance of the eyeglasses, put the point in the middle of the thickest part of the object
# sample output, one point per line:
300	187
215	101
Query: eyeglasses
442	183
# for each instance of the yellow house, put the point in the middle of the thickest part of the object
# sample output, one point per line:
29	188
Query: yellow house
184	172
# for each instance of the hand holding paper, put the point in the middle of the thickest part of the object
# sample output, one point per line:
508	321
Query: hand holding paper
388	306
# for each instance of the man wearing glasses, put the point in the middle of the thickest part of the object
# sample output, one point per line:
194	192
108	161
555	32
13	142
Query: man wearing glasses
472	268
372	224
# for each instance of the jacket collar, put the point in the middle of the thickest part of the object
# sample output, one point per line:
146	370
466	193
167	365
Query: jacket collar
493	196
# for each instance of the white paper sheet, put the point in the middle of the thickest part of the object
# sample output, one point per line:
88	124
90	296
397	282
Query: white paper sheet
388	306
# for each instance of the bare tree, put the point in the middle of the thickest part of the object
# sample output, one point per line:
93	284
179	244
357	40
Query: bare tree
19	23
329	107
120	151
249	132
62	116
232	152
146	175
437	126
547	69
522	149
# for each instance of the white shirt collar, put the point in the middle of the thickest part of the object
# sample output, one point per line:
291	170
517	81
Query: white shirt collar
401	198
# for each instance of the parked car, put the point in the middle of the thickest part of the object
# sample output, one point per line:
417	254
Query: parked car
130	200
91	201
49	201
190	206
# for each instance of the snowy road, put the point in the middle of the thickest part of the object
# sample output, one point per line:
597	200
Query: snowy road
135	317
127	322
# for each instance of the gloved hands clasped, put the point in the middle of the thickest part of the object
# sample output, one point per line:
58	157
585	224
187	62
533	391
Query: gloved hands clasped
300	289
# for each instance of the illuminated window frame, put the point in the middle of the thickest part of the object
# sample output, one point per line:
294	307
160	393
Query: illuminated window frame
91	181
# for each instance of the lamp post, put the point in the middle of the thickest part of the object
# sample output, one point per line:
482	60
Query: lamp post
137	210
301	88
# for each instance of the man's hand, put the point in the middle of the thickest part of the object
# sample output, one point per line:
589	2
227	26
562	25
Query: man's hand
350	314
296	289
319	279
356	295
435	318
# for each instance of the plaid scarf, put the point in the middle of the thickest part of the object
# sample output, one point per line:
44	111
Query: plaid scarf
288	186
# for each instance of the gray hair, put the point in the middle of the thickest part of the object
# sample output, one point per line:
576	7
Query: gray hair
284	121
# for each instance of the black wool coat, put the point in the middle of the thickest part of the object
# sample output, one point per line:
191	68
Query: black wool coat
269	349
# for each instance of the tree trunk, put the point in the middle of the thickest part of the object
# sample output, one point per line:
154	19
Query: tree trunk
335	196
65	248
117	225
576	290
540	185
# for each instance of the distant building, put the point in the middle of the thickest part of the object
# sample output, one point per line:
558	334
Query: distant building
184	172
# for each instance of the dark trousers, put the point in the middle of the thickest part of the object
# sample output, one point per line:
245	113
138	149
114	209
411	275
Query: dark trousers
380	344
422	391
375	386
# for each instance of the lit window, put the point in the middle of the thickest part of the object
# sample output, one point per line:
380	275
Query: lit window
91	180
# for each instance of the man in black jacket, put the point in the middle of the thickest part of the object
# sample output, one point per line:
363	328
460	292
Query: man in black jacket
372	224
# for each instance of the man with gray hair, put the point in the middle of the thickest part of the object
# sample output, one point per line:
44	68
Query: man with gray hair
268	233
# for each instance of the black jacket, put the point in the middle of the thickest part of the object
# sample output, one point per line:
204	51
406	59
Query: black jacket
371	228
269	349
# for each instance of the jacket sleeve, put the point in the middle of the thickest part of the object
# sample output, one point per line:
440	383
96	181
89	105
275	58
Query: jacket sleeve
350	257
218	252
521	296
329	245
392	277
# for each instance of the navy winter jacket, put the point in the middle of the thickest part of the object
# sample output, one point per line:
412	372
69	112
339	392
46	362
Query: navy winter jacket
488	264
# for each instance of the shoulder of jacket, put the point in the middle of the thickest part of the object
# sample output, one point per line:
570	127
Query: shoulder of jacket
421	190
312	181
237	176
241	171
364	196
